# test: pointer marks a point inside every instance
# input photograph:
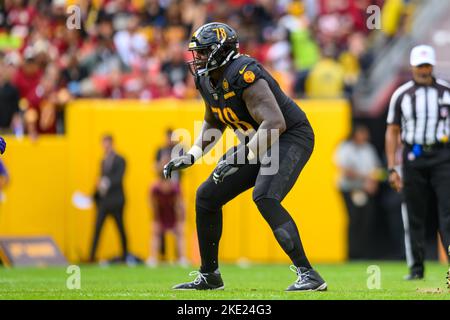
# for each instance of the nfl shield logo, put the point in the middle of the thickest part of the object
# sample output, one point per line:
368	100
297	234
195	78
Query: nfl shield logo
225	85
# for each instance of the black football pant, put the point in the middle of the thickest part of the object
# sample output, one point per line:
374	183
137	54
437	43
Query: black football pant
117	213
269	191
426	188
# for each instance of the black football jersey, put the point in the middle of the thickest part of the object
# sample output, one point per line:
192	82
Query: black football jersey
227	105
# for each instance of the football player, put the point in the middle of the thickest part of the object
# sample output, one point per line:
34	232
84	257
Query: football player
239	93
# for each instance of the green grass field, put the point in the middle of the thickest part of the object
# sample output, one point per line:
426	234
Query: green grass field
345	281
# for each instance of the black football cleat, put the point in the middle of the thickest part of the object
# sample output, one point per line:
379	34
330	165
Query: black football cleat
204	281
308	280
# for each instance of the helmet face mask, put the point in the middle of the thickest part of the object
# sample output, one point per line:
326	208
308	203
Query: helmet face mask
197	66
212	45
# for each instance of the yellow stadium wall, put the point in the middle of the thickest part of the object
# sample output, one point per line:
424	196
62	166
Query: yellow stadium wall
45	173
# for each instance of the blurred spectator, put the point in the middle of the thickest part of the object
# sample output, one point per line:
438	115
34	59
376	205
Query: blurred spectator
10	119
73	74
167	204
19	15
109	196
326	79
27	80
154	14
135	49
130	44
359	165
165	152
104	57
193	14
391	17
176	70
168	216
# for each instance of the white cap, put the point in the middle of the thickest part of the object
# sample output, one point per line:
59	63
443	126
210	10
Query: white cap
422	55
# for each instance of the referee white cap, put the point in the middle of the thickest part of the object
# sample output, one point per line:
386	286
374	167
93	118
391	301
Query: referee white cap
422	55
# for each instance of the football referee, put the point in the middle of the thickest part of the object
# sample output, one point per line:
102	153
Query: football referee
419	117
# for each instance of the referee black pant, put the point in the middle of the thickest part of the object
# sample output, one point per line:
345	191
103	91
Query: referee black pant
426	189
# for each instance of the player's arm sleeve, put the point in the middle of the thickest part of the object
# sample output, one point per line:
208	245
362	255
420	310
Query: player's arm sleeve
395	111
247	75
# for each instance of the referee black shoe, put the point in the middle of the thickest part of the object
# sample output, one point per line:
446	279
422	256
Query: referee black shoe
308	280
203	281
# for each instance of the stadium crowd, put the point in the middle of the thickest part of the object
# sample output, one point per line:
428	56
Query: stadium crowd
136	49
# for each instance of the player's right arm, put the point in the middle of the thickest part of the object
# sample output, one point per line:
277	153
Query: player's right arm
210	133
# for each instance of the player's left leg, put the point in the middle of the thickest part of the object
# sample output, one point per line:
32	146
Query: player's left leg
270	190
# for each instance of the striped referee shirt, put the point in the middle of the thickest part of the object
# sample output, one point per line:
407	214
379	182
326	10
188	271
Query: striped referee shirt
422	112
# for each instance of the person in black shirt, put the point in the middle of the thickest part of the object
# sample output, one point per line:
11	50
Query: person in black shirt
276	143
109	195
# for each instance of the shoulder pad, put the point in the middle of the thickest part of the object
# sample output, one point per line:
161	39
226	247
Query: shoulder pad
245	73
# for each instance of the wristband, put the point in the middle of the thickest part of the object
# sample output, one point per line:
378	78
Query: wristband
196	152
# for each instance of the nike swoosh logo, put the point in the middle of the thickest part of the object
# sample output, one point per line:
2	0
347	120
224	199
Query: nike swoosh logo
243	69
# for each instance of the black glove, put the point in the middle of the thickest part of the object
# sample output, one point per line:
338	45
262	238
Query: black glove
178	163
2	145
231	164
